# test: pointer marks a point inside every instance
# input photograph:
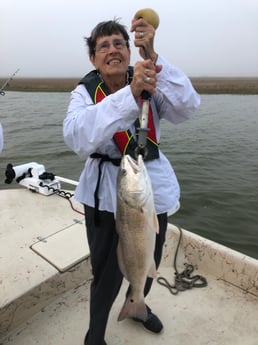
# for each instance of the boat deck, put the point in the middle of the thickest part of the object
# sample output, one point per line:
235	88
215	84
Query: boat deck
218	314
45	277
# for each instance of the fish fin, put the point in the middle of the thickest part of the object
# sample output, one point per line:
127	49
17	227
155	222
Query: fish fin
132	309
152	272
156	222
120	259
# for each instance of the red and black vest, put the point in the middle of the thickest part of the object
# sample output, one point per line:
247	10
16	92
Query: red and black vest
124	140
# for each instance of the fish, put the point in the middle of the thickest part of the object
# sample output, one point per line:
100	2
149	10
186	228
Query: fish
137	226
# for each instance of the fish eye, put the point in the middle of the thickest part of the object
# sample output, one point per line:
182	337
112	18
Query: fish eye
123	171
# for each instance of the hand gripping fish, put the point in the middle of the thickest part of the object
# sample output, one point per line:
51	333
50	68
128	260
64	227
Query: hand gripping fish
137	225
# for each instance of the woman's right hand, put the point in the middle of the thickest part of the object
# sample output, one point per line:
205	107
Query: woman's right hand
144	77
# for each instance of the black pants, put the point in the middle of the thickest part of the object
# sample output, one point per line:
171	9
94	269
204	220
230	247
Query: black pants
107	278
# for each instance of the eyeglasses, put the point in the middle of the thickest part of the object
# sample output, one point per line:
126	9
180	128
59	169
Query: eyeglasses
105	46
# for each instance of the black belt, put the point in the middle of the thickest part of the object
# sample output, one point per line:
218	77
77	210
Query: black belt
103	158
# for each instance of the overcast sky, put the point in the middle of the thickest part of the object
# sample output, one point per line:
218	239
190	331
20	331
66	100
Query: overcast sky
44	38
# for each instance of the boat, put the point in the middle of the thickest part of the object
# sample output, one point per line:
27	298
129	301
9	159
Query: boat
205	293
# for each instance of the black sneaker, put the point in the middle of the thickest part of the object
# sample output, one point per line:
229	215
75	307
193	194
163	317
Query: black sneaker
152	324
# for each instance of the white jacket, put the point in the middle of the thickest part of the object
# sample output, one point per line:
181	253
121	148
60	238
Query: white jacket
1	138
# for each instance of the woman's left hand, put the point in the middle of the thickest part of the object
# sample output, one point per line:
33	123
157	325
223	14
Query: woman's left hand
144	34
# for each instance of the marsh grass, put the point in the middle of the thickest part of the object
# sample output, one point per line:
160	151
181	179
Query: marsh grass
226	85
202	85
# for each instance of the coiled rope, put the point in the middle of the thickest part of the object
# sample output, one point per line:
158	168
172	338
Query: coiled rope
59	192
182	281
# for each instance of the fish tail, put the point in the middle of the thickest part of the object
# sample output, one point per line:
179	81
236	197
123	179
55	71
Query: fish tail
133	309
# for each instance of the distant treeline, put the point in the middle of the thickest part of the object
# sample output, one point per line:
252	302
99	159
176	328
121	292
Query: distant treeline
202	85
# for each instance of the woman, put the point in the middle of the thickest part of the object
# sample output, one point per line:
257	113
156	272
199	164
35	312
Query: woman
101	126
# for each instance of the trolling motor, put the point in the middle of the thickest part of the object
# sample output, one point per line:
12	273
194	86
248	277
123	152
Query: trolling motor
34	177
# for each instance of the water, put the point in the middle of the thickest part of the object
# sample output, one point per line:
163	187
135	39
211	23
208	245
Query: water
214	155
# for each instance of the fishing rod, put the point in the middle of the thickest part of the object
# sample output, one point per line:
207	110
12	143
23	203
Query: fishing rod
152	18
6	83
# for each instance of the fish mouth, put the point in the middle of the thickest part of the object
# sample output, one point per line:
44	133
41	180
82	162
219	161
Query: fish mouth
135	165
133	180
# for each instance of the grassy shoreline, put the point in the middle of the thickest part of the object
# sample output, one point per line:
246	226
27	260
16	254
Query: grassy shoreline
213	85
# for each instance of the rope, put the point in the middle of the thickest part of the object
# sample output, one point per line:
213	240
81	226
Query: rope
63	194
184	280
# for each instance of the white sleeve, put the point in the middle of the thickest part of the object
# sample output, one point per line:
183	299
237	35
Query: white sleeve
87	125
176	99
1	138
